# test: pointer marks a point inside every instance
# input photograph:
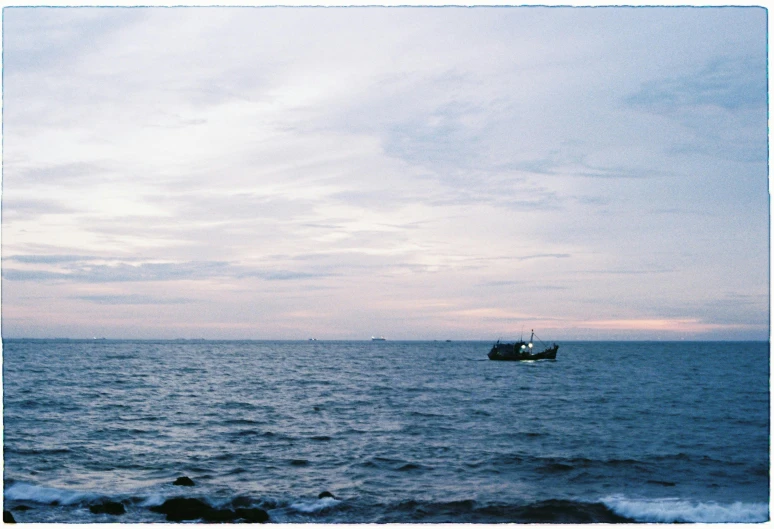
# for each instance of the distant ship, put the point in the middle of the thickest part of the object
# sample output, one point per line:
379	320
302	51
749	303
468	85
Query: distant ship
378	339
521	350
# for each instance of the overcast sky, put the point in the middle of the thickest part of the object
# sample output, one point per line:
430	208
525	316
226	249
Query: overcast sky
417	173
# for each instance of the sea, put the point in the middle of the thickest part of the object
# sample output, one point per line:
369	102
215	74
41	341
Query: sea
394	431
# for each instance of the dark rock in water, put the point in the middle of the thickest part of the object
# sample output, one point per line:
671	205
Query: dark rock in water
219	515
108	507
8	517
326	494
241	501
21	508
299	462
179	509
254	515
270	504
184	481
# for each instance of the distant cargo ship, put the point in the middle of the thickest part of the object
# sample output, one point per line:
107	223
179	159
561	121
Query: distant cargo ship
378	339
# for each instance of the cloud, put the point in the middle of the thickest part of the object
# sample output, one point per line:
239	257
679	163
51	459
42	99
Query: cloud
731	83
524	286
286	275
49	259
80	270
22	209
426	156
543	256
60	174
133	299
49	37
94	269
451	135
723	105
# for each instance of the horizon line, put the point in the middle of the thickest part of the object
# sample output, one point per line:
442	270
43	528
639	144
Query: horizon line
305	340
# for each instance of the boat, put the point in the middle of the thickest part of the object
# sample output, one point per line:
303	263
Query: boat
521	350
378	339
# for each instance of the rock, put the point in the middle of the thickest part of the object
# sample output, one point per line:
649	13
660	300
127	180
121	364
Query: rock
254	515
220	515
184	481
21	508
241	501
179	509
326	494
108	507
8	517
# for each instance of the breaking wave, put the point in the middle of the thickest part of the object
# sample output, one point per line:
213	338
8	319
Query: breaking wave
50	495
314	506
675	510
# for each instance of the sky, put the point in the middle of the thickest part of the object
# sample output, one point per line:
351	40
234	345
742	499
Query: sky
414	173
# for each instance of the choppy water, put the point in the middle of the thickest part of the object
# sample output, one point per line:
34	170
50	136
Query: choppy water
397	431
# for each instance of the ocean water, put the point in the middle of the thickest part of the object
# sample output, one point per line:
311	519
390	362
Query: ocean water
398	432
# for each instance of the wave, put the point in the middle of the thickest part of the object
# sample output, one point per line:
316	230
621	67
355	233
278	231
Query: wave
675	510
554	465
316	506
238	405
552	511
241	422
614	509
244	433
391	464
37	452
412	466
153	500
50	495
611	509
142	504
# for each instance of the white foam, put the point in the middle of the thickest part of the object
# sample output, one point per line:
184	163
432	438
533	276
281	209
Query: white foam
153	500
671	510
314	506
27	492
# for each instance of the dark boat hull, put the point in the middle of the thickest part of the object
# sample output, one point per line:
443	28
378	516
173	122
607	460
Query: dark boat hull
504	351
